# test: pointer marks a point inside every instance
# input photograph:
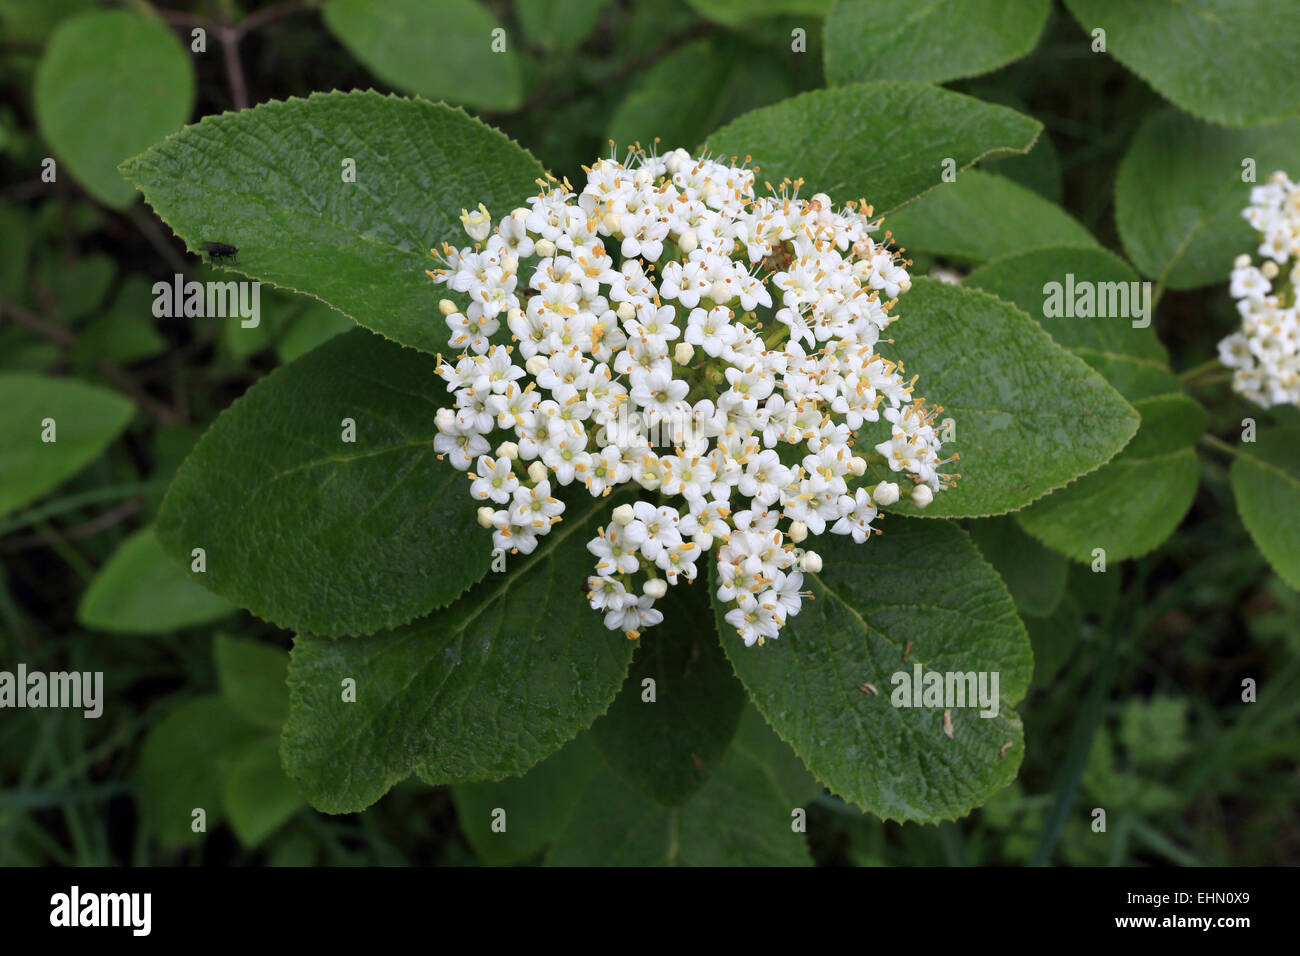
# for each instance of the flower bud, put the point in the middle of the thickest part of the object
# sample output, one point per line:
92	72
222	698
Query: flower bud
508	449
614	223
485	515
537	365
655	588
886	493
858	465
624	515
798	531
447	307
688	242
537	472
626	311
822	200
683	353
810	561
719	292
922	495
1269	269
477	224
510	264
544	248
1241	261
445	419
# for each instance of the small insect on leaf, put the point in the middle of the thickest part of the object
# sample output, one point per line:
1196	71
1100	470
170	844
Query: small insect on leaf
218	250
868	689
947	724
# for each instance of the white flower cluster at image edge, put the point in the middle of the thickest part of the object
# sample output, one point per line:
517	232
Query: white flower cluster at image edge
1265	354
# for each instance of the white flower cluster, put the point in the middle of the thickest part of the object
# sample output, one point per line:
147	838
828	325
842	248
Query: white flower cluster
1265	354
675	332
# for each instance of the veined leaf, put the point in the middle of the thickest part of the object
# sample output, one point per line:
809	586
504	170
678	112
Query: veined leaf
277	172
310	531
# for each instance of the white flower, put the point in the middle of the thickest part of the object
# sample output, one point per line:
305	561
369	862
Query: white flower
700	378
1265	354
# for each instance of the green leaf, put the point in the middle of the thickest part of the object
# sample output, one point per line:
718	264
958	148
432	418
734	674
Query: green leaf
1054	638
665	746
313	326
919	590
1229	61
727	81
1130	358
310	532
1136	501
85	419
78	287
1029	416
439	49
253	680
479	691
141	591
362	247
109	84
886	141
981	216
537	805
1180	191
759	743
740	13
1034	575
559	26
1266	483
181	767
935	41
740	817
125	331
257	795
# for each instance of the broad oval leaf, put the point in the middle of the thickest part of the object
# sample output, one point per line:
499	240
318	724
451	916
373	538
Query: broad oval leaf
740	817
80	419
109	84
479	691
1029	417
935	42
1137	500
665	744
313	532
537	805
982	216
1229	61
1134	502
441	49
253	678
276	172
1266	483
919	594
256	794
886	142
1034	575
1180	191
140	590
